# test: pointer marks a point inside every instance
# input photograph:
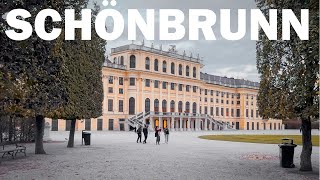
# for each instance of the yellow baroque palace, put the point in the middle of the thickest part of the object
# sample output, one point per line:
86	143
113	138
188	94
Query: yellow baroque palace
149	86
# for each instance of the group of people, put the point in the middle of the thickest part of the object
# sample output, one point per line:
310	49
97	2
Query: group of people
157	130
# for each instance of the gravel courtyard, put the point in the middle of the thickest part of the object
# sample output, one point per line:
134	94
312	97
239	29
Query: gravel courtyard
116	155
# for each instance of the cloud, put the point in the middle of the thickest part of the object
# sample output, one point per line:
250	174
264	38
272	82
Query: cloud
221	57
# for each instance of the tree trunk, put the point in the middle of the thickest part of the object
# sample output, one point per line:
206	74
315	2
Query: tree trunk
305	157
71	134
39	135
10	128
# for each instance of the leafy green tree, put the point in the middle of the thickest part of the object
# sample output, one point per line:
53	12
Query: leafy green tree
82	69
289	73
30	80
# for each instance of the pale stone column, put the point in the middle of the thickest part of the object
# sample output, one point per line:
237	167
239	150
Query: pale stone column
205	124
210	126
151	124
172	123
189	124
160	123
181	129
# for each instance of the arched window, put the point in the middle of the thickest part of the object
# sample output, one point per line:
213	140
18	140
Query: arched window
156	105
194	72
122	60
180	69
147	105
132	61
164	66
147	63
180	106
132	105
172	68
156	65
172	104
194	108
187	71
115	60
187	107
164	106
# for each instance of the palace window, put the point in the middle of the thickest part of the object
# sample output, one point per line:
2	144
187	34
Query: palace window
222	112
120	105
187	71
238	112
257	113
110	105
227	111
172	86
172	106
211	100
187	107
120	80
227	95
206	92
180	87
217	111
205	110
217	100
227	102
132	81
172	68
121	60
211	92
147	63
194	89
232	112
205	99
194	108
252	113
180	106
156	84
120	90
110	79
147	82
247	112
164	66
156	65
147	105
211	111
132	106
187	88
180	69
110	90
217	93
164	106
156	105
194	72
132	61
164	85
238	102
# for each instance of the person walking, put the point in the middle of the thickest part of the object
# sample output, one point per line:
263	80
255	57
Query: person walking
166	135
157	135
145	133
139	131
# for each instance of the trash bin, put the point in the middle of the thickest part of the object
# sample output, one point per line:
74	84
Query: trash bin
86	138
287	153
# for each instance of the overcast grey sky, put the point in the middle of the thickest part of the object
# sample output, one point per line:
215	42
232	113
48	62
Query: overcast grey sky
221	57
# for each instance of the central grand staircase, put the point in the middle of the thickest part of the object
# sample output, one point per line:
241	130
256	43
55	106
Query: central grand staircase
139	119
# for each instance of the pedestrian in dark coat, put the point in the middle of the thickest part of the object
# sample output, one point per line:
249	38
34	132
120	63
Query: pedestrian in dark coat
145	133
139	131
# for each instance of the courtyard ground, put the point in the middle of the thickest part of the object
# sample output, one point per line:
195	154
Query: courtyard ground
116	155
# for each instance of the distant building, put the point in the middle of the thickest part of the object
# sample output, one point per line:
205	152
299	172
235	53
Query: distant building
166	89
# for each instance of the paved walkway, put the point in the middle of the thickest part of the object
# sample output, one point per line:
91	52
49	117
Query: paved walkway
116	155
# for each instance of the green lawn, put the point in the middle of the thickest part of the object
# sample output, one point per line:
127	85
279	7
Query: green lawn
264	139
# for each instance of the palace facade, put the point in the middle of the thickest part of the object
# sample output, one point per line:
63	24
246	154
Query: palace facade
163	88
